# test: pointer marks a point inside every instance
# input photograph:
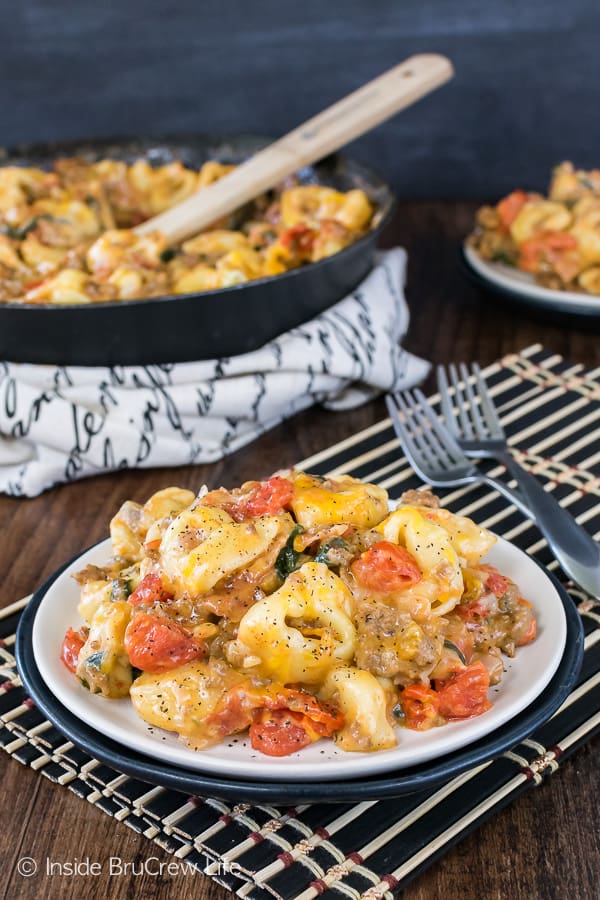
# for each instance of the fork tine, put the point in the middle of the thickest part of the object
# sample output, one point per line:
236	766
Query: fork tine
445	440
394	403
424	454
414	426
445	401
488	409
476	418
461	404
431	449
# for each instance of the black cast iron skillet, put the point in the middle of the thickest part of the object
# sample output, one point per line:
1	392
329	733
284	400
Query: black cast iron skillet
205	325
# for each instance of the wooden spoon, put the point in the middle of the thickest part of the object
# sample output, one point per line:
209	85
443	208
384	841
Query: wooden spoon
331	129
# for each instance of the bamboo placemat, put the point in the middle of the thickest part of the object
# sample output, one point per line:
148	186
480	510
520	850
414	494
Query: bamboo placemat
551	411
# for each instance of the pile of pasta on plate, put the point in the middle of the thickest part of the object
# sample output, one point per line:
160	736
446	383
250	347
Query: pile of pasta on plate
555	238
297	608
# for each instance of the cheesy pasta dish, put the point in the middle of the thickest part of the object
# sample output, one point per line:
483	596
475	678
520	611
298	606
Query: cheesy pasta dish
556	238
66	235
296	608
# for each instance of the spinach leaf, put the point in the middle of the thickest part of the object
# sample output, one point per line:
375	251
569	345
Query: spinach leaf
450	646
18	234
121	589
287	558
323	551
95	660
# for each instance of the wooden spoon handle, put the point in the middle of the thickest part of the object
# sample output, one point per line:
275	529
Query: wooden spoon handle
331	129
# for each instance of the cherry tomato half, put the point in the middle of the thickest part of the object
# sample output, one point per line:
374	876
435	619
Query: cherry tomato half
509	208
529	633
547	247
269	497
157	644
464	693
149	590
496	582
298	239
71	647
386	568
420	705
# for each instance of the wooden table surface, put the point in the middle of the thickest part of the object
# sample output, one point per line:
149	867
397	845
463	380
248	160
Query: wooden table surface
545	845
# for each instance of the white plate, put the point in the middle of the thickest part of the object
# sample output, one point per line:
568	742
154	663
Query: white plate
525	678
524	286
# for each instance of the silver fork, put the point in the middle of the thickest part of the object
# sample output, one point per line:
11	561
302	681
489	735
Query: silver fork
432	451
476	428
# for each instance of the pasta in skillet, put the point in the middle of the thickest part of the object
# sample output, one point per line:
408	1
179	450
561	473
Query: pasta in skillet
556	238
66	235
296	608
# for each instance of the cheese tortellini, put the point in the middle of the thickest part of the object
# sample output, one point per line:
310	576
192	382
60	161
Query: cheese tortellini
297	608
202	545
364	703
338	499
298	633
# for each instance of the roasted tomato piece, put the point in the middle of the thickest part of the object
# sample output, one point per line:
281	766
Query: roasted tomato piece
234	711
549	247
299	240
157	644
386	568
526	625
71	647
420	705
496	582
509	208
268	498
476	609
325	718
279	732
285	718
464	693
149	590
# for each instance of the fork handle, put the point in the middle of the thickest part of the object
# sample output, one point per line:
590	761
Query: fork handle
336	126
510	493
576	551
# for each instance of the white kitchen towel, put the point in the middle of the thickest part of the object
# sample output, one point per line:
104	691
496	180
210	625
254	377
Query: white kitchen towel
59	424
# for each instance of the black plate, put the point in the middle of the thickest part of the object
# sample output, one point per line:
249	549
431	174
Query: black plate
405	781
185	327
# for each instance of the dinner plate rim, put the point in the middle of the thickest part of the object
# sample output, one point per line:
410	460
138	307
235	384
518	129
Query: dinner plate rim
501	281
390	784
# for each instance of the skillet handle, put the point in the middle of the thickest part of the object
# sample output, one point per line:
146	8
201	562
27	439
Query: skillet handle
326	132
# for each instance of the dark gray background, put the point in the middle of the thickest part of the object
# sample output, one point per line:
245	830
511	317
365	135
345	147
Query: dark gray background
526	94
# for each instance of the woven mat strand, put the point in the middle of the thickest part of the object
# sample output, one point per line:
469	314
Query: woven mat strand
372	849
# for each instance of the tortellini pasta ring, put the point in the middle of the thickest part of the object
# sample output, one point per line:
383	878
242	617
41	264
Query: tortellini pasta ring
204	544
342	498
537	216
363	702
590	280
587	232
470	540
182	699
302	630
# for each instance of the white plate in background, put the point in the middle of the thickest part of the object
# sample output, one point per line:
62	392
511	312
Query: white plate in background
523	286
